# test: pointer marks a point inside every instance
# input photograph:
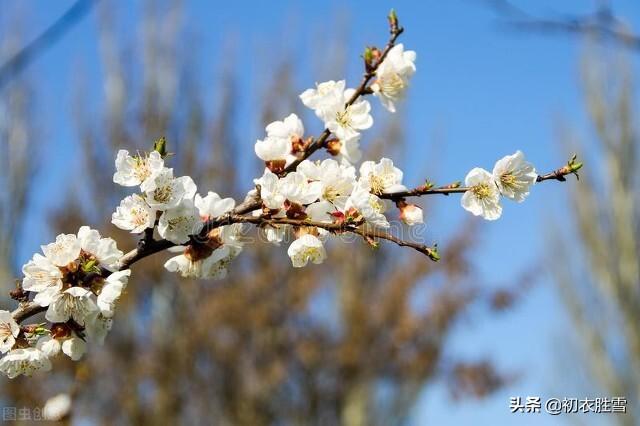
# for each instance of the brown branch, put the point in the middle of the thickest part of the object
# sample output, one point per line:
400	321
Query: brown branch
560	174
355	228
361	90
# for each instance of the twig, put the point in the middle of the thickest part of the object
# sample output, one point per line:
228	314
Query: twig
361	90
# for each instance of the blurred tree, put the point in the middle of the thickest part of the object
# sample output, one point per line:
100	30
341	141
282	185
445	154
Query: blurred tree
18	156
599	275
348	342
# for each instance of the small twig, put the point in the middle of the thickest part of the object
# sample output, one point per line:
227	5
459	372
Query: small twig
361	90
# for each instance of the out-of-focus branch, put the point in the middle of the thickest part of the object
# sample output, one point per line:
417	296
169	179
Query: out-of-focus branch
45	40
601	23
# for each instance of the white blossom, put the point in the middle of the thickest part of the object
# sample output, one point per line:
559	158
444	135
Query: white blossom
49	345
273	149
297	189
63	251
24	361
163	191
325	92
9	330
306	248
381	177
514	176
392	76
370	206
178	223
328	101
104	250
57	407
483	197
350	151
345	123
74	302
134	214
278	144
270	190
136	170
336	181
111	290
214	266
411	214
97	327
212	206
41	275
74	347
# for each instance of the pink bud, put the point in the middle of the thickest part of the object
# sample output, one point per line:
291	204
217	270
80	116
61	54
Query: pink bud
411	214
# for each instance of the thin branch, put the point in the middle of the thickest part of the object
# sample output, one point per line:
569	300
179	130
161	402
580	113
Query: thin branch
560	174
356	228
602	22
361	90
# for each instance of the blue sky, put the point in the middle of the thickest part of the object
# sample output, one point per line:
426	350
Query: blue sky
480	93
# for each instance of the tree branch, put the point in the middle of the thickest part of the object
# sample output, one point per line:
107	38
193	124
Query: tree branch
361	90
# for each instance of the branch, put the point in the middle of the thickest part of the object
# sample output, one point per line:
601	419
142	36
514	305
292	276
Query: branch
356	228
602	22
361	90
560	174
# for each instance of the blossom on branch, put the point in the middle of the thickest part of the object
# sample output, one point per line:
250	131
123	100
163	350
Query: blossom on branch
483	197
24	361
381	177
514	176
306	248
9	330
79	278
136	170
134	214
392	76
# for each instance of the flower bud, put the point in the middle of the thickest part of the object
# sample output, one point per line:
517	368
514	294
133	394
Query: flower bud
411	214
160	145
333	146
60	330
276	166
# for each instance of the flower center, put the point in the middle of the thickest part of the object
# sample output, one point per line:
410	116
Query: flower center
310	253
391	85
139	216
509	180
376	204
482	191
5	332
141	168
343	118
330	193
377	184
162	194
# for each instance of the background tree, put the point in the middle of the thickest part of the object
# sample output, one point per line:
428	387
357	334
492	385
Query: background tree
601	288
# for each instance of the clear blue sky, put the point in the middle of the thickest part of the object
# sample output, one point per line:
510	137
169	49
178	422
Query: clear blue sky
480	93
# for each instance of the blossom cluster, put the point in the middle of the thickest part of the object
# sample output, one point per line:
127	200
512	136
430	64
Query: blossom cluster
77	281
179	212
512	178
79	278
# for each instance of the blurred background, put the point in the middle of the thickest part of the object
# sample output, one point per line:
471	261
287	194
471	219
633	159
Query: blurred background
544	302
